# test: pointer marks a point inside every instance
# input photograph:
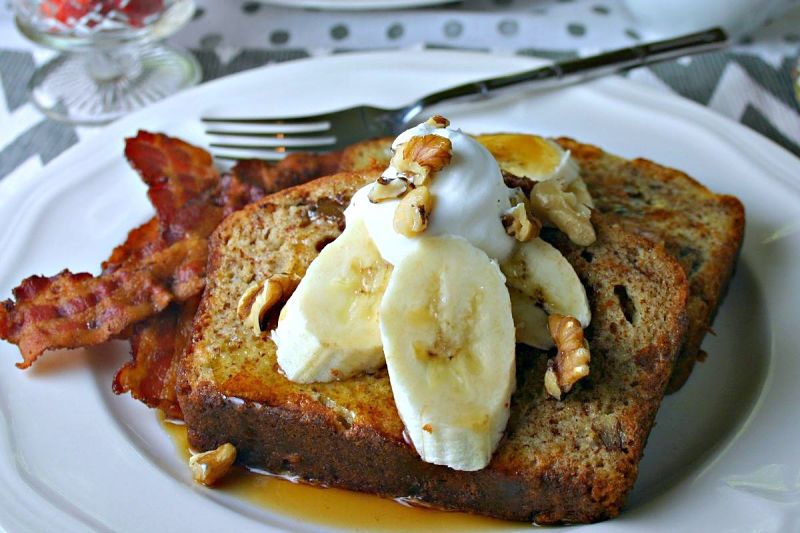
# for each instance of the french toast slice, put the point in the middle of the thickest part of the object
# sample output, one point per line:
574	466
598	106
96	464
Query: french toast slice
702	230
560	461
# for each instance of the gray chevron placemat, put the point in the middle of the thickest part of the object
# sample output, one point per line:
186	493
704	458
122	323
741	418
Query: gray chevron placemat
751	83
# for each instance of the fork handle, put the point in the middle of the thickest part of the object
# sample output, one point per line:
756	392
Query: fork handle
574	70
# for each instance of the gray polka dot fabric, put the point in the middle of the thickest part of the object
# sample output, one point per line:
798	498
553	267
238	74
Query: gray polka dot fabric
576	29
508	27
340	32
453	29
751	82
395	31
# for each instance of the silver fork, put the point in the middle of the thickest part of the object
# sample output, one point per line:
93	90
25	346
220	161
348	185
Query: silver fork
274	137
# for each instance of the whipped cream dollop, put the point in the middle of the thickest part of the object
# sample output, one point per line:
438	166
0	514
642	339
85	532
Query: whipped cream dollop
469	199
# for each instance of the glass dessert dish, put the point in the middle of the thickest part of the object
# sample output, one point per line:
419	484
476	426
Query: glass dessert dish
112	60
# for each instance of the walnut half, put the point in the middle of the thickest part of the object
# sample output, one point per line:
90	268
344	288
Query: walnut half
261	296
209	467
552	202
412	213
571	363
422	157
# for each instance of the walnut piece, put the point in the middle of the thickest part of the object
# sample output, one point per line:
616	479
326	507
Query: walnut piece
571	363
438	121
551	202
519	224
209	467
411	215
581	192
387	189
261	296
421	157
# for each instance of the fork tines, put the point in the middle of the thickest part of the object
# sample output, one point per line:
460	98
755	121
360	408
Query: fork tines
244	138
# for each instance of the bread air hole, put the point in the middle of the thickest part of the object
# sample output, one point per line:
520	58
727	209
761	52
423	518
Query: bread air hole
625	303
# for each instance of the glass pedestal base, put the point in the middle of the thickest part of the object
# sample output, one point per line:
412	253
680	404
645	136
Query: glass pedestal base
99	86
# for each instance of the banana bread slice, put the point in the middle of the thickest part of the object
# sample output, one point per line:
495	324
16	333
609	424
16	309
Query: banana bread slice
568	461
702	230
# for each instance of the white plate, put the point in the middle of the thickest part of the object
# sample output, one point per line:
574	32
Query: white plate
724	452
356	5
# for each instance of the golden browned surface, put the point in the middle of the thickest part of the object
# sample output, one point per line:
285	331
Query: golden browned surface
570	461
701	229
367	155
279	236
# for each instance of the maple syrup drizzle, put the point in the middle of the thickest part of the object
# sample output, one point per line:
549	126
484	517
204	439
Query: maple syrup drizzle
333	507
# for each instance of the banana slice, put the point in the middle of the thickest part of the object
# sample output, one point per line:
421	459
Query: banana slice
530	320
448	336
531	156
328	330
541	279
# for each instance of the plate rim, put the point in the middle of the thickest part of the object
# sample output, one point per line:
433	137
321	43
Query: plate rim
773	154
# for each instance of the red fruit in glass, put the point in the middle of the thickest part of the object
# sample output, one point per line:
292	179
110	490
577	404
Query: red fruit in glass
68	12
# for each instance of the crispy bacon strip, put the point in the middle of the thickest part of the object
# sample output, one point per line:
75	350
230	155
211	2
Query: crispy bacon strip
158	343
156	348
141	243
160	262
182	181
149	285
236	194
293	170
72	310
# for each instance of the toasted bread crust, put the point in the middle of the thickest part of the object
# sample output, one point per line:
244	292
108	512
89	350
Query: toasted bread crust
569	461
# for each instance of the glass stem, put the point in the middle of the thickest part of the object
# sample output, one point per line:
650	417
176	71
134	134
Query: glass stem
109	64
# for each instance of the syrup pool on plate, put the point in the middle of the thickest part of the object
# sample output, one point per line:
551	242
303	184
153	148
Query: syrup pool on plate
336	507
